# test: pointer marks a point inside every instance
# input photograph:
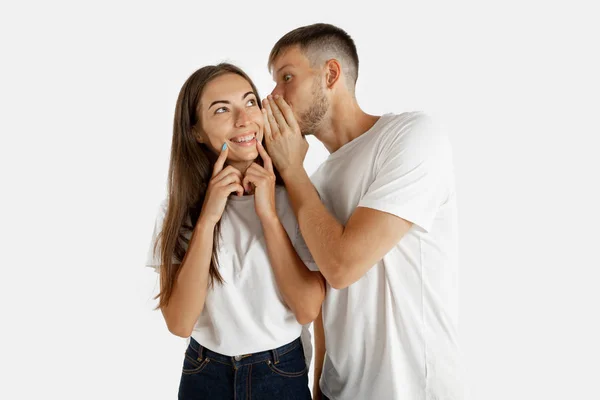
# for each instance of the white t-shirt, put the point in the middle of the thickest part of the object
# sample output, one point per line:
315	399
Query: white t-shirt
392	334
247	313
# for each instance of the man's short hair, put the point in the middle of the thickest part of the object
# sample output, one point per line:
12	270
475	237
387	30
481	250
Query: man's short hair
321	42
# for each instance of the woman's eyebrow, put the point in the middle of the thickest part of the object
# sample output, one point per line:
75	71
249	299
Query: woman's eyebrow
227	101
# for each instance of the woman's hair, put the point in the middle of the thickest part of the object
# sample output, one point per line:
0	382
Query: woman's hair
190	171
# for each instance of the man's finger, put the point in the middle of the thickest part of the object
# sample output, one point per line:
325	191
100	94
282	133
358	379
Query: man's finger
268	163
267	128
221	160
272	121
278	115
287	113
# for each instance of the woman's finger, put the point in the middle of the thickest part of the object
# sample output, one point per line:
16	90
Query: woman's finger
268	163
251	179
221	160
234	187
229	170
229	179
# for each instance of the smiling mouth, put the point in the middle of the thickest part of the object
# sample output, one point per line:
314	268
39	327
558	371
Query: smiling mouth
244	140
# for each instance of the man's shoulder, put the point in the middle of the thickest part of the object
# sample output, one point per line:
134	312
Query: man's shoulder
411	128
407	120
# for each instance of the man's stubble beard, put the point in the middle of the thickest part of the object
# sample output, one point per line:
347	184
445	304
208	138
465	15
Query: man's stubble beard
311	119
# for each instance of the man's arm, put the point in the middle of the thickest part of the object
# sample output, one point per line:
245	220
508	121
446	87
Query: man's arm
319	355
343	253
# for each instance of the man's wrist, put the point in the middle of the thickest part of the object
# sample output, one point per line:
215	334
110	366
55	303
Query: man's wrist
292	172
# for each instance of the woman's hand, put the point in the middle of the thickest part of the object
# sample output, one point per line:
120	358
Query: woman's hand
263	179
222	184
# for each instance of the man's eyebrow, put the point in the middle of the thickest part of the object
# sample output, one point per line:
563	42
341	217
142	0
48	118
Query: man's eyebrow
285	66
227	101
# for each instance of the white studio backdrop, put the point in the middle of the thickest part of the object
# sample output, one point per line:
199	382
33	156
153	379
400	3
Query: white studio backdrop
87	92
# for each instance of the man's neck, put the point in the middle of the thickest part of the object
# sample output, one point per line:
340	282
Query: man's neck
344	122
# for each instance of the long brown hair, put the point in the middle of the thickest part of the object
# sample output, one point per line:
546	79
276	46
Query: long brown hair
190	171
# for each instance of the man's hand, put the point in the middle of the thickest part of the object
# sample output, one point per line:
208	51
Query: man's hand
285	143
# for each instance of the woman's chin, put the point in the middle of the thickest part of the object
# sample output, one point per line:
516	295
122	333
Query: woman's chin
246	156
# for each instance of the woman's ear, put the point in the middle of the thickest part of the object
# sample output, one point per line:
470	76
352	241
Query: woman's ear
198	135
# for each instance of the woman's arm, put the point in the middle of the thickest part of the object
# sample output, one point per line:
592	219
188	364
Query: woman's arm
302	289
191	285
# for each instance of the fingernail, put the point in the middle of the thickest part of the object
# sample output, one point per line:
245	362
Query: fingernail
276	96
224	147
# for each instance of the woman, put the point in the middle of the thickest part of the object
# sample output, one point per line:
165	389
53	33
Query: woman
232	263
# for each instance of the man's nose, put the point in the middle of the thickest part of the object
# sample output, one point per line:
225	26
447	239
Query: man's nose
278	91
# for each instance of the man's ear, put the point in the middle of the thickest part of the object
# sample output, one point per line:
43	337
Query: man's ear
333	72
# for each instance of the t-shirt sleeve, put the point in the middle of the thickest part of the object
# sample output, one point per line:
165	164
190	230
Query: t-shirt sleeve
413	167
153	257
303	252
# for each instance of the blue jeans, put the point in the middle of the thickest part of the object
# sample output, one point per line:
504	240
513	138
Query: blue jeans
279	374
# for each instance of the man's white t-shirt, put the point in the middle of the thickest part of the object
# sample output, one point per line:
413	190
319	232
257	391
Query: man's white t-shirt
247	313
393	333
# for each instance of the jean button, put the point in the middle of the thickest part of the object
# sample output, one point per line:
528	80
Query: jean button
237	358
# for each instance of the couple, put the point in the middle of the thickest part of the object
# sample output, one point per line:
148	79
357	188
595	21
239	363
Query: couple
250	250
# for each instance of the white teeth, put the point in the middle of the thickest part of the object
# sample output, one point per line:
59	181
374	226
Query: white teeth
244	139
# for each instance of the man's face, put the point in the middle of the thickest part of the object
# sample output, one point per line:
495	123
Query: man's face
302	87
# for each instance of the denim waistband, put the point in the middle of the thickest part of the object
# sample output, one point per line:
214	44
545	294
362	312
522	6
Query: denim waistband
245	359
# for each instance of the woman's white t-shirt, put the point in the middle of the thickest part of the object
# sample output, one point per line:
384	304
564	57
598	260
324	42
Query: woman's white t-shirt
247	313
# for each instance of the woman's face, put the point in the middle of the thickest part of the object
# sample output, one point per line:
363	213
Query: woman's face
229	113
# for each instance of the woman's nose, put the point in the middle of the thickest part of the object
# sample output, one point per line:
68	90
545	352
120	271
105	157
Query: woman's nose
242	118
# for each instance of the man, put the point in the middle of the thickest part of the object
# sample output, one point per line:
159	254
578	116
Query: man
381	224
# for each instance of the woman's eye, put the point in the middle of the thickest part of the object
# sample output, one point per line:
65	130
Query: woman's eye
287	77
251	102
220	110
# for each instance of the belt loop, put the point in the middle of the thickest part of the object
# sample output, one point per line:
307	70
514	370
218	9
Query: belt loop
200	352
275	356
